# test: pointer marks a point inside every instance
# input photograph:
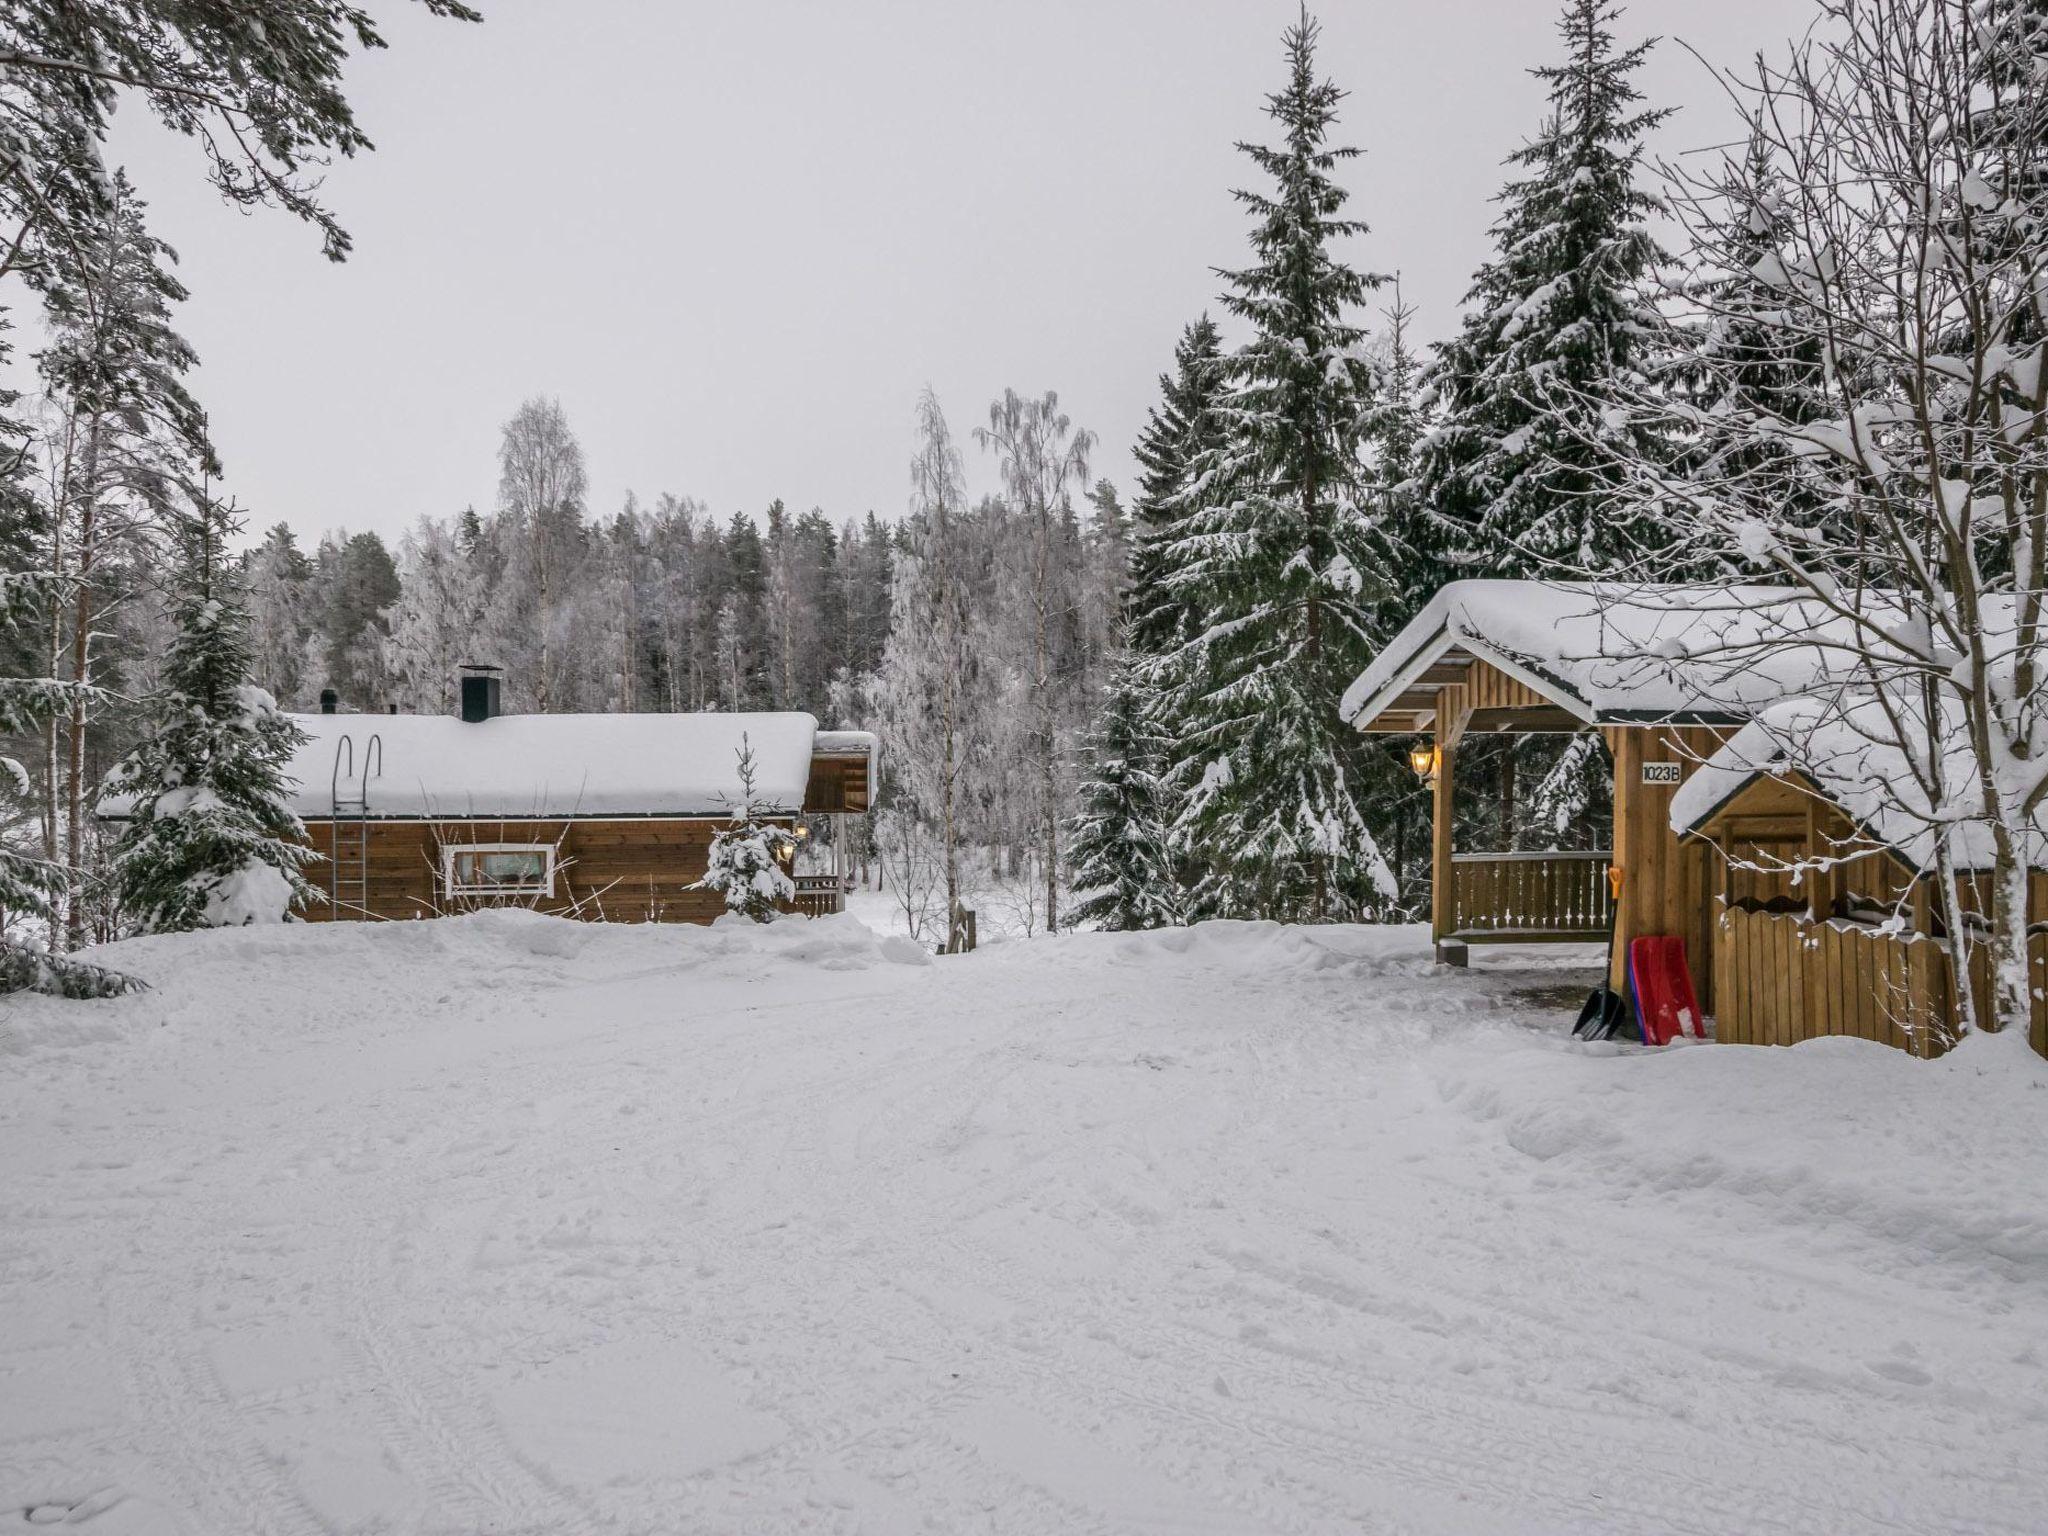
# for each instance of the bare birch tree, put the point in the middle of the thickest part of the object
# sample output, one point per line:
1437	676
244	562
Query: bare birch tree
926	662
541	489
1043	459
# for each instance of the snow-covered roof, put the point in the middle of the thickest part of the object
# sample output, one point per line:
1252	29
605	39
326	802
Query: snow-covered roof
1849	751
846	744
555	766
1620	653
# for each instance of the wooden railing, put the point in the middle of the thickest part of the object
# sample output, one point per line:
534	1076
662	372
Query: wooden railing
1529	897
819	895
1780	978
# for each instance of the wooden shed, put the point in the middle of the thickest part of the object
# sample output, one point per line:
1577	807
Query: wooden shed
1826	914
600	816
1568	657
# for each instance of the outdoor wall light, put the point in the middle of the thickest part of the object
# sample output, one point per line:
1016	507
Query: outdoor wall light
1423	760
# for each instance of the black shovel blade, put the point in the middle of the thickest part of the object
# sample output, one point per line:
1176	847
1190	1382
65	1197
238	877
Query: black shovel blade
1601	1016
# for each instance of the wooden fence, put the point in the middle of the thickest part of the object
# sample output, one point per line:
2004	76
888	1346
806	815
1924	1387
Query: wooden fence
1523	897
819	895
1780	978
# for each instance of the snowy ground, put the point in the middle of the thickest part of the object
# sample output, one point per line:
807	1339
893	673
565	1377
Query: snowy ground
504	1224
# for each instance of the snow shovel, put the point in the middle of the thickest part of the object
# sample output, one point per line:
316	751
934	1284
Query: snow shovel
1605	1010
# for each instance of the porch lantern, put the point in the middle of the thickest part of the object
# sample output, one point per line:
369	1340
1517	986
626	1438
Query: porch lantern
1423	760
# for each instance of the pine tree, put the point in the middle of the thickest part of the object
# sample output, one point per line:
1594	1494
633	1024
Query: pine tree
1520	465
1181	429
1276	548
1749	358
354	582
1394	433
1123	872
210	839
749	860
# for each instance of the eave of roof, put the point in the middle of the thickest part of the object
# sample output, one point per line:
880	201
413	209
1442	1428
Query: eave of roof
1433	649
1445	626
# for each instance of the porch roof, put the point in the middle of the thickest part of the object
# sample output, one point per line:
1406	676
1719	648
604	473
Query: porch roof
1605	653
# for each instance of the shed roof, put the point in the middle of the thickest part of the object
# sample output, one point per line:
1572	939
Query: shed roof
1610	653
1848	751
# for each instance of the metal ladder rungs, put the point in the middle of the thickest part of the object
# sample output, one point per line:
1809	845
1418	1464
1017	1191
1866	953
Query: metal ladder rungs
349	821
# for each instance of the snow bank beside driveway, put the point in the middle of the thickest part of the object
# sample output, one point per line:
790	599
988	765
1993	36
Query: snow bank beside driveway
506	1223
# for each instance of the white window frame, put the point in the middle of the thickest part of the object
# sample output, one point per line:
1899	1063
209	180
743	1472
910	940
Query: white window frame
452	890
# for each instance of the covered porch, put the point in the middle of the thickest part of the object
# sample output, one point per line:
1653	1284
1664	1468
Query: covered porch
1528	658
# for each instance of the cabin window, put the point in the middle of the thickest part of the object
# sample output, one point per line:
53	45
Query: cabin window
498	869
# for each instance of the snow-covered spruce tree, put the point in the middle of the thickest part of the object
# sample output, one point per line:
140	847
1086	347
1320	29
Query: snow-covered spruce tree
1180	429
1275	549
1397	806
1518	467
1395	425
210	841
749	859
1738	362
1118	841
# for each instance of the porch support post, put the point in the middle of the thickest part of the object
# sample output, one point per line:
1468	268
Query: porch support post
1452	712
1625	746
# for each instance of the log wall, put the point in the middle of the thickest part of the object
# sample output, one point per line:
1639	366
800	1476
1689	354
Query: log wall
618	871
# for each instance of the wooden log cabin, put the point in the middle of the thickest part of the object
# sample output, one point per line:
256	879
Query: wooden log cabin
607	817
1708	831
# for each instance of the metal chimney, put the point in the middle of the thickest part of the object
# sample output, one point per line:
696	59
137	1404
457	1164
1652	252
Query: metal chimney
480	692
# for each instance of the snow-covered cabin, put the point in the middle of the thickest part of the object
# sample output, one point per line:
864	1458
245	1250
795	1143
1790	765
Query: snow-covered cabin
1687	686
600	816
1664	674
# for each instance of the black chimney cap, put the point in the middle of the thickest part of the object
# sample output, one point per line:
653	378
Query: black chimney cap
480	692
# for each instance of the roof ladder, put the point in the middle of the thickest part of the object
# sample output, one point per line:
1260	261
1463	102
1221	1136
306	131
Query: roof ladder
348	885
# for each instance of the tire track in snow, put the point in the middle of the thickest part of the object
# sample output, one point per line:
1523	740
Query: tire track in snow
224	1480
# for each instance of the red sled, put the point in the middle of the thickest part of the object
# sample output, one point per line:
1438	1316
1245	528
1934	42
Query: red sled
1665	1005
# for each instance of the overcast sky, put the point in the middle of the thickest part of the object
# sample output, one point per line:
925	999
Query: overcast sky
736	239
